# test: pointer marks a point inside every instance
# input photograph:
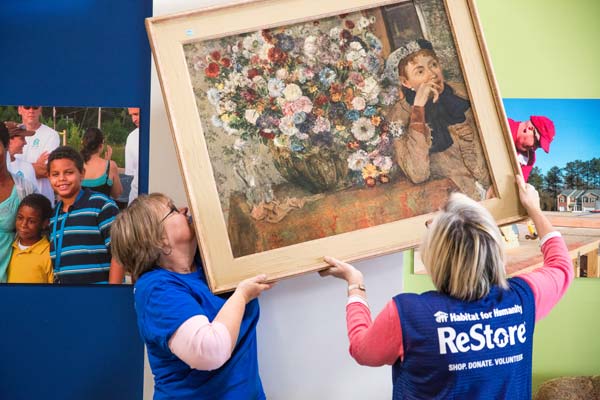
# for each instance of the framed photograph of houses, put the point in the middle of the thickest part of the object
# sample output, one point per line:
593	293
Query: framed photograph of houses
305	128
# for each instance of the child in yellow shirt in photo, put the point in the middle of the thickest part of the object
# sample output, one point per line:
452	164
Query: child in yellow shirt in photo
30	261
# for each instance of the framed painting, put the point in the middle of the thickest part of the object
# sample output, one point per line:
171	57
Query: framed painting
305	128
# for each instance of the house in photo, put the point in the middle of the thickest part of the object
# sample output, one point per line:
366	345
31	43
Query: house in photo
590	200
578	200
568	200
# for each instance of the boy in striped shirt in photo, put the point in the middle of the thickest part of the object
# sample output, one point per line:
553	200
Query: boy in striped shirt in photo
80	224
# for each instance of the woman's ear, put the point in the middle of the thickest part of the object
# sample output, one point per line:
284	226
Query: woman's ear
45	223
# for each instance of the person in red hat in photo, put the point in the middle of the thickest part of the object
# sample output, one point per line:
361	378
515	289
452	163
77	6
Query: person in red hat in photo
528	136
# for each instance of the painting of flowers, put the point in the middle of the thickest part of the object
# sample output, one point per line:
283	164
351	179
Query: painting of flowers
297	113
306	128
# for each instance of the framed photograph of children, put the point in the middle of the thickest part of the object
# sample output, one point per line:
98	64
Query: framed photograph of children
307	127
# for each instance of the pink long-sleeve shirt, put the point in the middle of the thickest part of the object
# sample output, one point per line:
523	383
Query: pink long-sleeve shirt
379	342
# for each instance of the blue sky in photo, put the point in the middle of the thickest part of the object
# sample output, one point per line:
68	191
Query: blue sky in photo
577	123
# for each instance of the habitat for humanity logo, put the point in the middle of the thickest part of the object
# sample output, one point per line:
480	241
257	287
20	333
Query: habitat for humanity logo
441	317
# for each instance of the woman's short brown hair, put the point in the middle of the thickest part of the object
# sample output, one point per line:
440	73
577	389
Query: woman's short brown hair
463	250
137	234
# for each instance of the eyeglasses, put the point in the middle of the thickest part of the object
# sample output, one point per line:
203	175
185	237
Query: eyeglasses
31	107
172	210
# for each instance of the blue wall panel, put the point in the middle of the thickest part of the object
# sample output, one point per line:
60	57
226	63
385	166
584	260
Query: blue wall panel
73	342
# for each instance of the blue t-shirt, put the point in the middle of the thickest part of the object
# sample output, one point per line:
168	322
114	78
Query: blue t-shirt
163	301
455	349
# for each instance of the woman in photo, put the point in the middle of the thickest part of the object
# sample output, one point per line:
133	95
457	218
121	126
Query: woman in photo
101	174
13	188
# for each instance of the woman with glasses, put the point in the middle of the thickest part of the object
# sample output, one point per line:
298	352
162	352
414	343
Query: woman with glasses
471	338
200	345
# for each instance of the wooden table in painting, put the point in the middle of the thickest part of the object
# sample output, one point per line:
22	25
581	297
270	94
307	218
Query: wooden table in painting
333	213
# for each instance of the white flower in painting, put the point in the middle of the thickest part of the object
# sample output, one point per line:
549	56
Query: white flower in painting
228	105
213	96
239	144
364	23
258	82
281	101
292	92
356	52
358	160
263	53
384	163
229	87
303	74
239	79
375	141
281	73
321	125
275	87
216	121
252	43
287	126
370	88
359	103
334	33
363	129
396	128
281	141
310	46
251	115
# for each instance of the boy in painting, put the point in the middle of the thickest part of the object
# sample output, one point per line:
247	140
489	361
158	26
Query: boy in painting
30	261
80	226
439	138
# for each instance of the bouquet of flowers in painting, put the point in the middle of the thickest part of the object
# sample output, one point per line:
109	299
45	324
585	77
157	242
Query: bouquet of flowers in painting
312	94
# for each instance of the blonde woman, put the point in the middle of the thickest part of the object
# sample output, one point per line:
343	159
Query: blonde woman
199	345
471	338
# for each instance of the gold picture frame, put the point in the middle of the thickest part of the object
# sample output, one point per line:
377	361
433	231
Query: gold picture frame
234	239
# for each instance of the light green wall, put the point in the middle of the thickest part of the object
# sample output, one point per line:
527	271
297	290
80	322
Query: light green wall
543	48
547	49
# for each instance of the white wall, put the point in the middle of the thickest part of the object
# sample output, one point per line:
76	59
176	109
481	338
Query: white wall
302	343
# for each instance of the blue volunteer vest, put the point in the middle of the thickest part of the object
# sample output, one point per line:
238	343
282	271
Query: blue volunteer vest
466	350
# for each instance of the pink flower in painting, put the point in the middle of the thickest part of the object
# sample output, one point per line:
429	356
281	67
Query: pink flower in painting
302	104
288	108
356	78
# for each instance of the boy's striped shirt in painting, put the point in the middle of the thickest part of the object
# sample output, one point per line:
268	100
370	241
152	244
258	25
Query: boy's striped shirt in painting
80	239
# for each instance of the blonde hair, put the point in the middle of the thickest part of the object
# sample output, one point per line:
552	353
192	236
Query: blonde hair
137	234
463	250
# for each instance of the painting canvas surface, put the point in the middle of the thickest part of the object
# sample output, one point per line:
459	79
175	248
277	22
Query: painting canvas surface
303	122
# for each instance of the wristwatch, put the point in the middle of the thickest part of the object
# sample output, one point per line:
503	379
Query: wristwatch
359	286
